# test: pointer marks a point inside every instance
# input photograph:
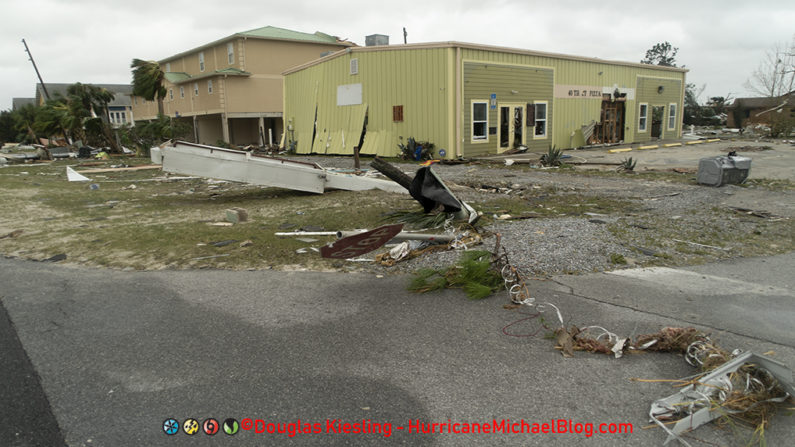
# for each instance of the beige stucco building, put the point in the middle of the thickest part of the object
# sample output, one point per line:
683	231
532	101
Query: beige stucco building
231	89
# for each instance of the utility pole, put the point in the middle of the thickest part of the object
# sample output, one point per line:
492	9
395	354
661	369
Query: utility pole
43	87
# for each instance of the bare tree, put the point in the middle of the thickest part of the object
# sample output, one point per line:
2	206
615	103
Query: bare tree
775	75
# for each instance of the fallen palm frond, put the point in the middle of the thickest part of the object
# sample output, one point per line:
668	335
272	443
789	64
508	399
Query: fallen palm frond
473	273
417	219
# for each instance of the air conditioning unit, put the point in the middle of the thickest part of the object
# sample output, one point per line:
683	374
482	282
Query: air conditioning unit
723	170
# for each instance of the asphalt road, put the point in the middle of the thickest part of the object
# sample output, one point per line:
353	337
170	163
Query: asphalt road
117	353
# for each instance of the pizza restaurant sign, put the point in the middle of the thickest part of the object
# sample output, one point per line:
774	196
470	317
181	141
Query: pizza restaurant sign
590	92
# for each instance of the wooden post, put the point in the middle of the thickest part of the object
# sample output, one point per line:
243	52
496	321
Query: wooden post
392	172
356	157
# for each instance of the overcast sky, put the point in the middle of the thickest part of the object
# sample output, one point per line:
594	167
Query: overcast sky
93	41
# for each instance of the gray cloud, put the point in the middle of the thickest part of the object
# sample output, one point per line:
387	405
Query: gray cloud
95	40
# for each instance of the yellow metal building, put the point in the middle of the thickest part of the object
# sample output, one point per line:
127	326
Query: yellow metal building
472	100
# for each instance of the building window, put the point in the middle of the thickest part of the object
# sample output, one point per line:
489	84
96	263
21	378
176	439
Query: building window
354	66
480	120
210	86
123	117
201	61
168	67
643	117
135	100
195	89
171	94
182	92
671	116
397	114
540	119
230	52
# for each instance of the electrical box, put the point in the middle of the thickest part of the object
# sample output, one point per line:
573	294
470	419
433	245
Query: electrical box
723	170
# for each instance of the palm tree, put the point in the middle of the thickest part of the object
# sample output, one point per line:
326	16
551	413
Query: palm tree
148	82
89	102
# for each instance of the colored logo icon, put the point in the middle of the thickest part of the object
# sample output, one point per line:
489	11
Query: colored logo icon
231	426
210	426
171	426
190	426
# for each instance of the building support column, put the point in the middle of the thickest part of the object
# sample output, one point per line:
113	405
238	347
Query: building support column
261	131
195	129
225	127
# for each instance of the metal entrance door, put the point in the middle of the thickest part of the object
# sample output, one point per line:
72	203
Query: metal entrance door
511	127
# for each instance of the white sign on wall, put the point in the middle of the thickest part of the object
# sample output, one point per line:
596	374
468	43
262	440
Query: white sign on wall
349	94
591	91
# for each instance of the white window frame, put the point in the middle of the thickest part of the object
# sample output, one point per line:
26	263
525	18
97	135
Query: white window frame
354	66
477	138
195	89
201	61
230	53
643	118
168	67
210	86
536	120
182	92
171	94
672	116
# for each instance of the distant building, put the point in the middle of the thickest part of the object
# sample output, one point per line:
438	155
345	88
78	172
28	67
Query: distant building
231	89
17	103
470	100
745	111
119	110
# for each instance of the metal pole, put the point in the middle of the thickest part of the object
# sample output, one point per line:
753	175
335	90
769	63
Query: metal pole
43	87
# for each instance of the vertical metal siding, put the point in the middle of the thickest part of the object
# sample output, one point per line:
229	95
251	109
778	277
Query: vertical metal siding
417	80
422	80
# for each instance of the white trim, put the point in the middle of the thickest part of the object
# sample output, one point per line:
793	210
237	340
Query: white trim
354	66
210	86
545	135
672	116
201	61
230	53
485	138
182	92
171	94
195	89
645	117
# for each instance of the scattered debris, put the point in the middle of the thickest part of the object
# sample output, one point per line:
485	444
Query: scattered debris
361	243
242	166
473	273
129	187
73	176
748	384
12	234
209	257
429	190
93	186
223	243
236	215
723	170
56	258
747	149
220	224
118	169
246	243
307	240
664	195
758	213
700	245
